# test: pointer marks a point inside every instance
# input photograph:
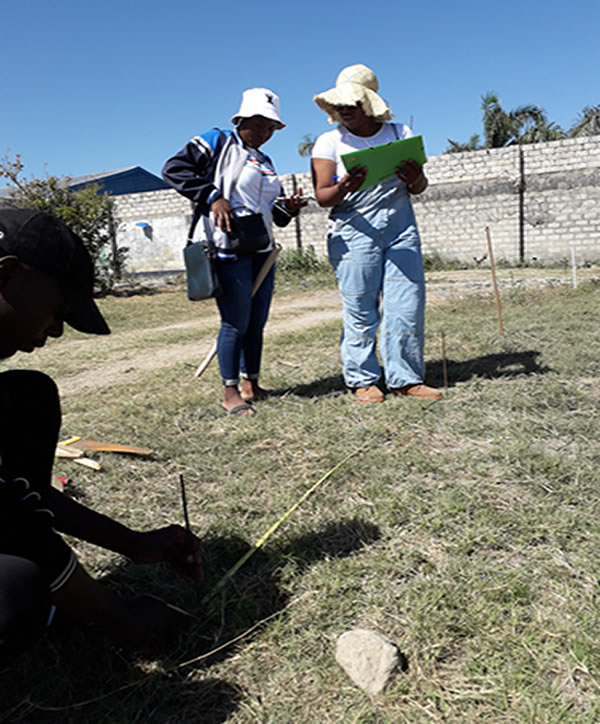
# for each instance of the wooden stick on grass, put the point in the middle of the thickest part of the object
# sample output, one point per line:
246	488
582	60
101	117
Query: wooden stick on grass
444	362
184	503
188	528
493	268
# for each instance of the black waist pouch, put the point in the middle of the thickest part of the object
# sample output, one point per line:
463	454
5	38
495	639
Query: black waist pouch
248	234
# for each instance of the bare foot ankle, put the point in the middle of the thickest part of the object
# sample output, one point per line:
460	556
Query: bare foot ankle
234	403
251	391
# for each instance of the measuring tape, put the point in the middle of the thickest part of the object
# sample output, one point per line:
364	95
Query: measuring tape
262	540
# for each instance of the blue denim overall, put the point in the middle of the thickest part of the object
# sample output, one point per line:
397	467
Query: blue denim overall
375	250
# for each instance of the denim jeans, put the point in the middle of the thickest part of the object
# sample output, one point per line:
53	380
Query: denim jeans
243	317
377	256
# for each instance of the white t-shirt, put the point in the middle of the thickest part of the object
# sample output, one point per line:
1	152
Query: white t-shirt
334	144
256	189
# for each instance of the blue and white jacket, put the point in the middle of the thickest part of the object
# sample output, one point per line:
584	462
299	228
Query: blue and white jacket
207	168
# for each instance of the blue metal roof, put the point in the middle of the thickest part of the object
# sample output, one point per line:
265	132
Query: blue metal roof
134	179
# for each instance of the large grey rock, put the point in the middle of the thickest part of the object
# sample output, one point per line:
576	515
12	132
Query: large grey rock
368	657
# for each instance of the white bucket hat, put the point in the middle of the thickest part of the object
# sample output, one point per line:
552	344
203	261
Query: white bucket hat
259	102
355	83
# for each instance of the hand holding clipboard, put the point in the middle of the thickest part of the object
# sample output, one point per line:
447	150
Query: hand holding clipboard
382	161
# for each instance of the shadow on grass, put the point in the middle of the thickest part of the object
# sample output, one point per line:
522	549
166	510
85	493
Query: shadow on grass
323	387
255	591
489	366
501	364
78	675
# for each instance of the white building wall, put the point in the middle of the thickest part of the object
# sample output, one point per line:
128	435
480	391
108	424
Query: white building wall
538	200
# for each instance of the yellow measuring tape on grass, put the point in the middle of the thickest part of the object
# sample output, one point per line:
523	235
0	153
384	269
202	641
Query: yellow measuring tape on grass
261	541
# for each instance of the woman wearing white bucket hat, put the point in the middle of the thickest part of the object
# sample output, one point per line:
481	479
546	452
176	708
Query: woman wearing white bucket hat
373	243
228	178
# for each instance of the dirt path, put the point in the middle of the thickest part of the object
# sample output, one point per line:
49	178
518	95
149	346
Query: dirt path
287	314
295	313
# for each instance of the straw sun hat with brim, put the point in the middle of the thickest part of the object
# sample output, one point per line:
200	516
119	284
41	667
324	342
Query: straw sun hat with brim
354	84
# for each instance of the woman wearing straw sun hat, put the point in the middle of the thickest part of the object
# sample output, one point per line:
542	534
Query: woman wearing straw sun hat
373	242
233	183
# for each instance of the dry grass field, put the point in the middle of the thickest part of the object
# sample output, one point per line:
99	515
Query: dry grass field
467	531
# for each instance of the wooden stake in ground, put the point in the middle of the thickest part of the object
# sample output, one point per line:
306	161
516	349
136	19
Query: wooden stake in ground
188	528
444	362
266	267
493	268
574	267
186	517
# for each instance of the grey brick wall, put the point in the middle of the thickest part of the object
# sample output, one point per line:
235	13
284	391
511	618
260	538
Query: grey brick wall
538	201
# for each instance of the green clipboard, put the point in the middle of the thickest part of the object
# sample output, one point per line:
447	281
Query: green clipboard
381	161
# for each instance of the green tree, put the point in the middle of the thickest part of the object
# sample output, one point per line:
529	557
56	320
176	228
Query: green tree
88	213
305	146
498	126
473	144
501	128
587	124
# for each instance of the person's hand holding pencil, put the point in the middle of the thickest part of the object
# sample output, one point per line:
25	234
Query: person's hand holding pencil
175	545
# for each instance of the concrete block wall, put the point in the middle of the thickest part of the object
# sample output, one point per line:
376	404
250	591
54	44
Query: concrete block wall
467	192
562	199
538	200
311	229
153	226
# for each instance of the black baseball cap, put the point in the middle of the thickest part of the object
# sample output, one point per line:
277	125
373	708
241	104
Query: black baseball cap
44	242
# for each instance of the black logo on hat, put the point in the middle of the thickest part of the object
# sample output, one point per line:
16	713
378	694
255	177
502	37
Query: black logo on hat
270	99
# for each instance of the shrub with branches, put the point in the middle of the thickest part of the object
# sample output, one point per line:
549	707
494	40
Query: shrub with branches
87	212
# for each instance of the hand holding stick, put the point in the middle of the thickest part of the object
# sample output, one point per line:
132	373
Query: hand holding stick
266	267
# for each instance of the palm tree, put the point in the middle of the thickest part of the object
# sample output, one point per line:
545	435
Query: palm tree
498	126
588	123
306	145
542	130
525	124
473	144
532	125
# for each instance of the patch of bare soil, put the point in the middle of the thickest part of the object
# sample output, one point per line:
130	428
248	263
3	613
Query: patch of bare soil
297	313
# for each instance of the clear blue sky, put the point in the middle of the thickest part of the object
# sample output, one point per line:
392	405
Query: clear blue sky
89	87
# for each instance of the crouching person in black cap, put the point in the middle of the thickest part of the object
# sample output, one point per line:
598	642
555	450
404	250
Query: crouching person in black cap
46	279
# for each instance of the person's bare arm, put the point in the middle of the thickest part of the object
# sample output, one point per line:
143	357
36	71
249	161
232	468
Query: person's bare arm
329	190
413	176
141	621
172	544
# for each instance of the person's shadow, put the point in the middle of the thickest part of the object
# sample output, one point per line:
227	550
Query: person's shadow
255	592
489	366
322	387
78	675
